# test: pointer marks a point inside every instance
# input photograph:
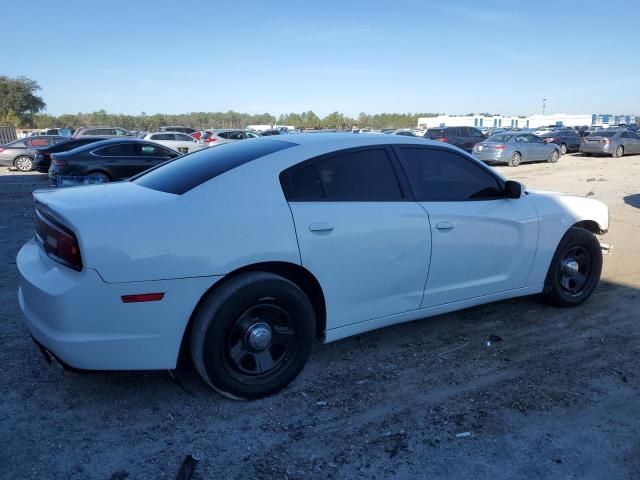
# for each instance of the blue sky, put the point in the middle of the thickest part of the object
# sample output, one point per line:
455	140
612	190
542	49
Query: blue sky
291	56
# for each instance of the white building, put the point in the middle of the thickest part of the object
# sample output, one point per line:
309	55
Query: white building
522	121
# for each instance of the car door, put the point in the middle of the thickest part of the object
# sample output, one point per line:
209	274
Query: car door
481	242
359	232
185	143
475	136
119	160
634	141
538	150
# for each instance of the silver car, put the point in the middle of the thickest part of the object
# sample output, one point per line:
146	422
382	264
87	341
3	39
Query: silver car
611	142
514	148
21	154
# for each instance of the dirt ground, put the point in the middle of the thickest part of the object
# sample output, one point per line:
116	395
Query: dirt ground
557	397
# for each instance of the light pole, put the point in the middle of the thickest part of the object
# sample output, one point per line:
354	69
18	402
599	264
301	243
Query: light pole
544	105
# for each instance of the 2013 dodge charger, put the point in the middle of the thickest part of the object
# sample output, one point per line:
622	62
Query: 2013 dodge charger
245	253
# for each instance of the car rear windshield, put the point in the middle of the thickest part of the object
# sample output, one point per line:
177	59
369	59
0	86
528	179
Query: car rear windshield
435	133
499	138
187	172
604	133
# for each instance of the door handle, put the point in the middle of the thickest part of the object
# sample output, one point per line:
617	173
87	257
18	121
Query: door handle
444	225
321	227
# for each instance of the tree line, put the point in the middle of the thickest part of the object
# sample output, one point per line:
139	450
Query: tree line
21	106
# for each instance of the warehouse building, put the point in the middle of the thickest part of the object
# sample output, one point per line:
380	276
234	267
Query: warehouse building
523	121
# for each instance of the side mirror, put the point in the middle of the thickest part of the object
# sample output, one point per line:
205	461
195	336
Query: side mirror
513	189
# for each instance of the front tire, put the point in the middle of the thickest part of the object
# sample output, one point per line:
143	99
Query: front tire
553	157
253	335
23	163
515	159
575	269
563	149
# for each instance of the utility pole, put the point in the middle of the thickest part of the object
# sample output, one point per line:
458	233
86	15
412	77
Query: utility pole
544	105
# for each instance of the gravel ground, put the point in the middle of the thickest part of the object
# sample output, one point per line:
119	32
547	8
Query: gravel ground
555	395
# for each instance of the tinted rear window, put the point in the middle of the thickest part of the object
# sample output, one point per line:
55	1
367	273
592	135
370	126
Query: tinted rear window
185	173
435	133
604	133
499	138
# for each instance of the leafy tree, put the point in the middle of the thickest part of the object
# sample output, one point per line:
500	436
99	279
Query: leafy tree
18	100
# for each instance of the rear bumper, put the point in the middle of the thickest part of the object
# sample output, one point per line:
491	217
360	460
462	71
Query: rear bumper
595	148
83	322
490	156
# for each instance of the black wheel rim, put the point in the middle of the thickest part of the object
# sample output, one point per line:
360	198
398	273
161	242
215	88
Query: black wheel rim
259	342
575	270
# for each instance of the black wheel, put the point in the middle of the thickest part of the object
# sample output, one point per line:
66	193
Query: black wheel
619	151
515	159
98	177
23	163
553	157
563	149
575	269
252	336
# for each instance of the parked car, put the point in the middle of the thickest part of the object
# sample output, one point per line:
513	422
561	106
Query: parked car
42	159
102	132
611	142
463	137
568	139
220	136
180	142
515	148
109	160
21	154
178	128
273	131
242	255
406	133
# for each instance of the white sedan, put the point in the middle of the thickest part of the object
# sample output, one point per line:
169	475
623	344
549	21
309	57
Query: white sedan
180	142
244	254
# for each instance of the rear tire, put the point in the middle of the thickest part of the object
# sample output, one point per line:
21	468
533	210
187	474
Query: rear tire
575	269
23	163
619	152
553	157
99	177
563	149
253	335
515	160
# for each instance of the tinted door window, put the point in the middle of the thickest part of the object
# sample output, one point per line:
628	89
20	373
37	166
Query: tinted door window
534	139
154	151
360	176
119	150
443	176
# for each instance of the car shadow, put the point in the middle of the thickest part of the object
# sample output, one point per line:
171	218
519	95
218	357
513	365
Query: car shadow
633	200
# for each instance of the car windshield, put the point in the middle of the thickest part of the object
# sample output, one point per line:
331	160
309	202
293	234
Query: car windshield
499	138
187	172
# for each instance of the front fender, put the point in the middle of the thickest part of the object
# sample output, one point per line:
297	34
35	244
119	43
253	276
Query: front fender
557	213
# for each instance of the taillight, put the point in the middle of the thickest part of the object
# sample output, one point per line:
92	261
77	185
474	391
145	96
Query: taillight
58	241
548	140
500	147
211	139
443	139
2	149
57	162
604	140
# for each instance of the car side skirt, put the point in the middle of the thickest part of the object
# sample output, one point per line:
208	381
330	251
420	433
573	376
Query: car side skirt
361	327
